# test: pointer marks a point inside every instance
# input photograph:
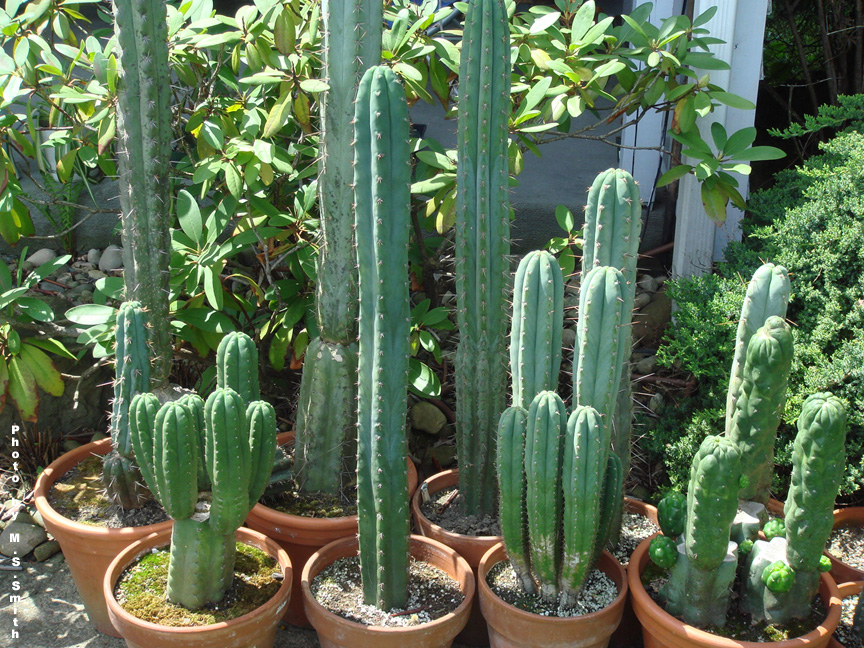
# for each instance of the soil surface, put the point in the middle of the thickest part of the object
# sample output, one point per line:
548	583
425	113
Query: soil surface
79	496
431	594
847	546
443	508
599	592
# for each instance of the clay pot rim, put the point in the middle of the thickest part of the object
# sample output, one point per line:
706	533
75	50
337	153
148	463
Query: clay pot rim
850	588
462	609
416	504
486	564
301	522
695	635
161	539
59	467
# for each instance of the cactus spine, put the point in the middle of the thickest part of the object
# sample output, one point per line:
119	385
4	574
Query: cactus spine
482	247
759	405
613	227
120	475
382	175
144	128
325	427
700	583
538	321
238	443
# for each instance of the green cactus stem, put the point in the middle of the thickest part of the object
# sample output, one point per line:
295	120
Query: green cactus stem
699	585
382	176
672	514
120	475
482	248
237	366
538	323
325	427
613	227
767	295
238	443
663	551
759	405
143	154
858	619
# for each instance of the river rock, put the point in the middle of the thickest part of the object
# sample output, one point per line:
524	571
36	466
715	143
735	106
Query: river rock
112	258
40	256
646	365
93	256
427	418
21	536
45	550
650	323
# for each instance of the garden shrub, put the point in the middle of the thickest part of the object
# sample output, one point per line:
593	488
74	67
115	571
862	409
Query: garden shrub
812	222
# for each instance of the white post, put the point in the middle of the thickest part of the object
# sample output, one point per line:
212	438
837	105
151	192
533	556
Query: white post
698	242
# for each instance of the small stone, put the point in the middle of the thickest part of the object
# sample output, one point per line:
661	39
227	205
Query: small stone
65	278
112	258
96	274
656	402
85	296
36	516
53	287
648	284
568	337
649	324
427	418
69	445
40	257
571	303
11	504
646	365
572	287
93	256
444	454
642	299
45	550
98	436
83	266
20	538
72	284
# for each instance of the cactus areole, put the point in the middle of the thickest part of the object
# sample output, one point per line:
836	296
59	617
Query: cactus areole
143	154
482	248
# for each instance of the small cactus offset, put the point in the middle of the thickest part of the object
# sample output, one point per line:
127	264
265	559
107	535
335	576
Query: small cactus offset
325	430
817	466
120	475
382	175
767	295
672	514
482	247
759	405
538	322
700	582
236	442
144	130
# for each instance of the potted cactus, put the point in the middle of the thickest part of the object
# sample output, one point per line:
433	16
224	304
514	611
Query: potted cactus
185	447
382	179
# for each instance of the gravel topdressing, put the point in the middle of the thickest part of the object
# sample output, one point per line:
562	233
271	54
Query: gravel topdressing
634	529
847	545
844	633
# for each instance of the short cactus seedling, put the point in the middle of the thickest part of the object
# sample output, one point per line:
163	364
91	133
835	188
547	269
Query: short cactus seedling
235	441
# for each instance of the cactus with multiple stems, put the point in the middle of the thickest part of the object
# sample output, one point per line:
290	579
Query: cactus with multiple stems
817	467
482	247
748	422
700	582
326	426
382	175
235	440
556	473
613	227
144	130
120	474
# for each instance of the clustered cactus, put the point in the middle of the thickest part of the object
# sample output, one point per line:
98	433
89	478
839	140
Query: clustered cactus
781	575
143	160
325	427
382	176
234	441
482	247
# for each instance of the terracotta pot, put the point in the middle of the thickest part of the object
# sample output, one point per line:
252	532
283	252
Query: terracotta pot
662	630
257	629
88	549
510	627
303	536
628	633
846	589
851	516
337	632
471	548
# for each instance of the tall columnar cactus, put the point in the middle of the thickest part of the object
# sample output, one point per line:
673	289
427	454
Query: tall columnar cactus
382	176
482	247
238	441
551	472
700	582
538	322
325	426
767	295
120	475
144	129
613	227
759	405
817	467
